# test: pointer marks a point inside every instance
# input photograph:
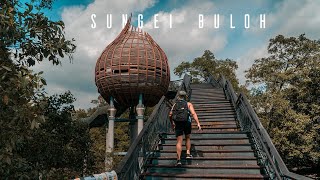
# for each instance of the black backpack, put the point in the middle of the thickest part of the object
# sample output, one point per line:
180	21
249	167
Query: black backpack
180	111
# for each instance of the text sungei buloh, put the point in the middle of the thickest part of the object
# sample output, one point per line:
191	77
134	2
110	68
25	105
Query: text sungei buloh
169	22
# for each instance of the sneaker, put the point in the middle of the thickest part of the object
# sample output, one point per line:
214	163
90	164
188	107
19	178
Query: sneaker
189	156
178	163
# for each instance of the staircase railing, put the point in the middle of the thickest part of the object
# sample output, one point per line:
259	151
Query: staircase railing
268	156
143	146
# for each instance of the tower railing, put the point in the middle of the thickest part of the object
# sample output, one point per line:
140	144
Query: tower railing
133	164
268	156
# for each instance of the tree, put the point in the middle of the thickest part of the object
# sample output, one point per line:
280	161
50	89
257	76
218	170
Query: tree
207	64
27	36
22	104
60	147
287	97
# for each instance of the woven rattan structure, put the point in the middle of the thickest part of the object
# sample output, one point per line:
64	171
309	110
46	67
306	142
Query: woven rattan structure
132	64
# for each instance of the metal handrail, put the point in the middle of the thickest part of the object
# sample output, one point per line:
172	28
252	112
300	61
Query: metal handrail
249	122
142	148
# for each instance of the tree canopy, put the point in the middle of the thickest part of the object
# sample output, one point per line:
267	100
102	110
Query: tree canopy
201	67
38	136
29	36
286	97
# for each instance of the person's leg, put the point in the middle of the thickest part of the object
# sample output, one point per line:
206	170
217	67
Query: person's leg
188	143
179	136
179	146
187	133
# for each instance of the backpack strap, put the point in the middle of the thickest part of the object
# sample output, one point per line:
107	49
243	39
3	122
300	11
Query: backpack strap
173	106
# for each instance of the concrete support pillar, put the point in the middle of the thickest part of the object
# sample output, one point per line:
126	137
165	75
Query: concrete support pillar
110	133
140	112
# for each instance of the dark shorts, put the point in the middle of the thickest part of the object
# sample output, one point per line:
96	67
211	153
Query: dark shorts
183	128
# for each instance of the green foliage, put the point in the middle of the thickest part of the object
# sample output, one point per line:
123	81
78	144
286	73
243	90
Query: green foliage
22	104
60	144
286	97
29	35
207	64
98	138
55	147
38	137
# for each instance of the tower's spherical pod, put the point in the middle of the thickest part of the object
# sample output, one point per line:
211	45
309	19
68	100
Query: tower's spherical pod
132	64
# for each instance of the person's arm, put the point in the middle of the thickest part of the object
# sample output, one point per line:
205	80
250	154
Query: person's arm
194	115
170	117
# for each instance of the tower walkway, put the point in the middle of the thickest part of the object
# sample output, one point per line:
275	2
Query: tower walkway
232	144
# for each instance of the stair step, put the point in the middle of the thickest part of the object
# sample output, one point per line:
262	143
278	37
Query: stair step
208	93
223	109
200	109
203	153
199	170
211	98
216	116
195	128
212	130
243	160
209	118
206	158
204	86
222	101
208	142
206	98
248	166
220	134
209	103
214	106
216	113
201	85
172	138
220	117
214	123
205	89
215	126
216	119
211	147
207	151
198	153
187	176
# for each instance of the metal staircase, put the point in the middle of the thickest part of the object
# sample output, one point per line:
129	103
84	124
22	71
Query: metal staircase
219	151
232	145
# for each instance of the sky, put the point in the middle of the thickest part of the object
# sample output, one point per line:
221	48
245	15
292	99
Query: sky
183	42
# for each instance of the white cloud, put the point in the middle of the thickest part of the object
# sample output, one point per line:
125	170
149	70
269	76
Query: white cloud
246	61
78	77
183	42
186	40
302	16
291	18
